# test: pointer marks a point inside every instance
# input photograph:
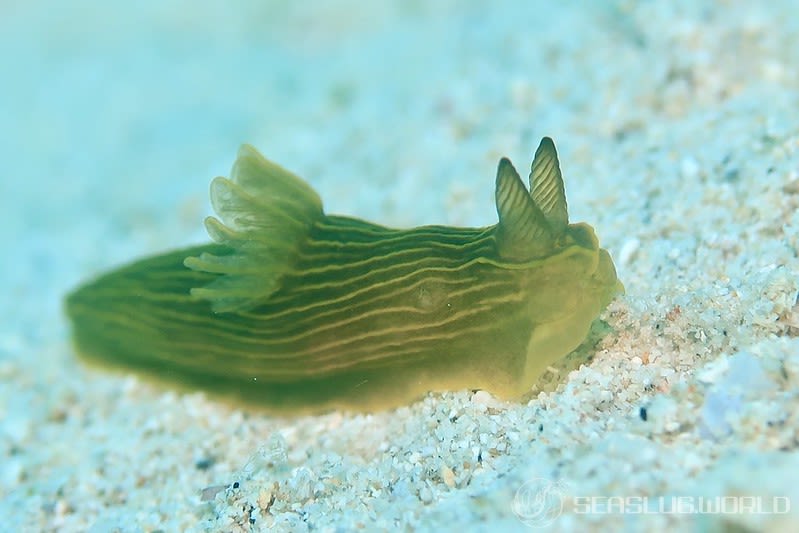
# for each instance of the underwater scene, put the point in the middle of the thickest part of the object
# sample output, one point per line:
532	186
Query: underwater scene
399	266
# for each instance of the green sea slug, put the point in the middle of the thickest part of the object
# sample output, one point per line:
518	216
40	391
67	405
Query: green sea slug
295	310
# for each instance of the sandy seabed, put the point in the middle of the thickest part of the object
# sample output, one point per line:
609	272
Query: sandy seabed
677	125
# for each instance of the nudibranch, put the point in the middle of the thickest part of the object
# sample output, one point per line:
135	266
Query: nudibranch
294	310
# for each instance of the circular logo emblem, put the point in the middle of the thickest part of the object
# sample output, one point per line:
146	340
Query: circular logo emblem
539	502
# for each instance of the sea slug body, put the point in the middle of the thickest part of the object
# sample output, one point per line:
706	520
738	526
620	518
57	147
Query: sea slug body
295	310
